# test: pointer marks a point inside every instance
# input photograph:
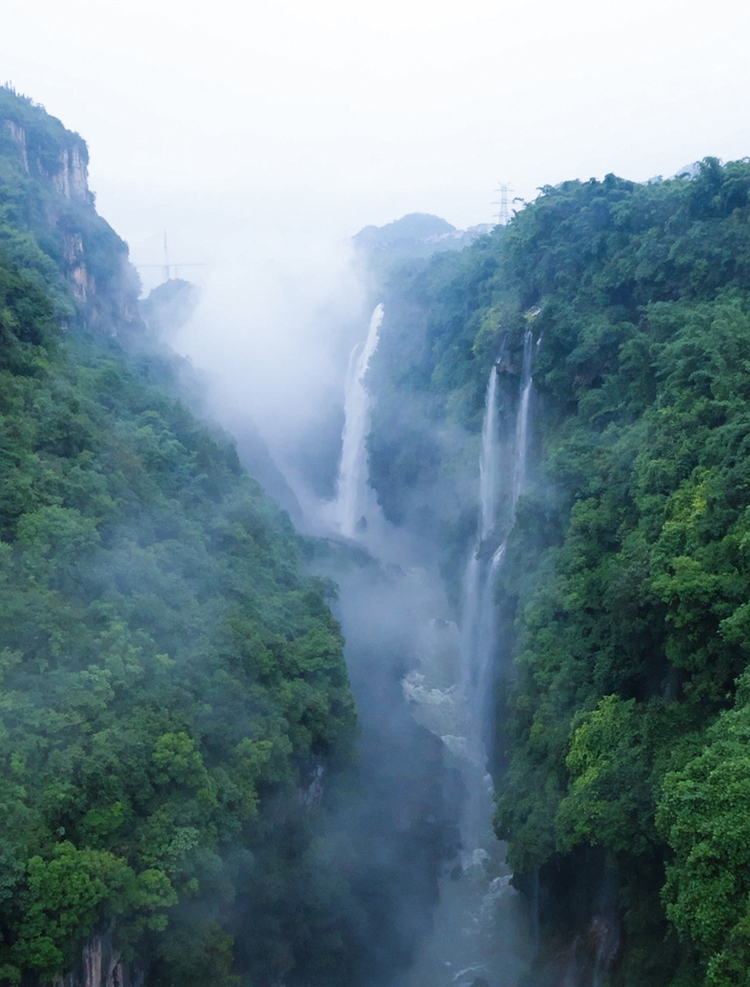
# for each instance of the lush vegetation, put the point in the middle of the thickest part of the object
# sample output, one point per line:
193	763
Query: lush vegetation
622	766
173	684
182	799
173	687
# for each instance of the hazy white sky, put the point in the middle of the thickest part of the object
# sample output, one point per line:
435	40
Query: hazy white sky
214	118
262	135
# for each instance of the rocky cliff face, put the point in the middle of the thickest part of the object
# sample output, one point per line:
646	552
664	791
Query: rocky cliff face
68	172
72	179
101	966
45	188
18	136
73	252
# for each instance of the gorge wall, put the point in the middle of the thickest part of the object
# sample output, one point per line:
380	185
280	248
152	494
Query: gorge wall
621	601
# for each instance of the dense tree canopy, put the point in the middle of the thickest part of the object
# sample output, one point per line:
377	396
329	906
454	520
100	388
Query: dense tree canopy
627	574
171	680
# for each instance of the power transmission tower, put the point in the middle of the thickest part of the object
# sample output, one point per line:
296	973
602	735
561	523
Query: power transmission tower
167	267
503	216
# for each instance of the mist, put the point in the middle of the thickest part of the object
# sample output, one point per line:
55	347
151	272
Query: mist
259	141
208	123
272	332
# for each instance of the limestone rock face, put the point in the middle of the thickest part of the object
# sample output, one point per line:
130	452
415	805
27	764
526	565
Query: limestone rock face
68	173
101	965
47	184
72	179
73	252
18	134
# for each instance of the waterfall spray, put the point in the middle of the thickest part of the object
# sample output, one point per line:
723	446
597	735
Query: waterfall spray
478	933
478	606
522	422
354	497
488	460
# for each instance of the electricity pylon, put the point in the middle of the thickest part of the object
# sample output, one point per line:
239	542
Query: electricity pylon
167	267
503	216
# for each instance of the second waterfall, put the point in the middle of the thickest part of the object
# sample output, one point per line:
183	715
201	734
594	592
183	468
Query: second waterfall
480	937
493	530
355	504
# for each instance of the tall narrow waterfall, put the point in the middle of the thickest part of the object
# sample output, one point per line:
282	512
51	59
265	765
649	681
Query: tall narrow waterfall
478	618
479	934
522	423
488	460
354	497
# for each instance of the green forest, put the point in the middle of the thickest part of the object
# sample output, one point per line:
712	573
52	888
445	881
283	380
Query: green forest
173	678
189	795
623	703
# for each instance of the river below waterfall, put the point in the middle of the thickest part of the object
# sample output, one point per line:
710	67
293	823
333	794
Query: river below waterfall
477	932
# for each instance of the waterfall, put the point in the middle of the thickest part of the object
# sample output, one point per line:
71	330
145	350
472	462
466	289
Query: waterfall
354	497
519	466
477	619
479	934
488	460
478	632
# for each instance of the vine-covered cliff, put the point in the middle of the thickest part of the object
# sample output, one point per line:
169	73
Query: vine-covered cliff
622	723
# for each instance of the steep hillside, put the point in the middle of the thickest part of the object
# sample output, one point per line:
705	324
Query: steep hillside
173	684
621	763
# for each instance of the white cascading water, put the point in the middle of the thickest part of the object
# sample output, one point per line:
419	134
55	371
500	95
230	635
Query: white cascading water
477	617
354	497
488	460
478	933
522	424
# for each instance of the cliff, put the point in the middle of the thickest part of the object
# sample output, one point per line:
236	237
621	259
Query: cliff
44	192
181	796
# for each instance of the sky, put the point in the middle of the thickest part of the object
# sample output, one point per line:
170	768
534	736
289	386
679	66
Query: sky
244	126
261	137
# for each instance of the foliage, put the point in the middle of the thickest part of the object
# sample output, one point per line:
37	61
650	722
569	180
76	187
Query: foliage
626	574
170	676
704	811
